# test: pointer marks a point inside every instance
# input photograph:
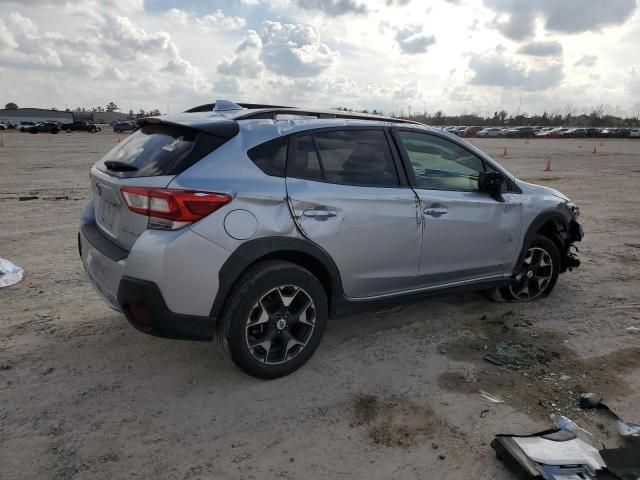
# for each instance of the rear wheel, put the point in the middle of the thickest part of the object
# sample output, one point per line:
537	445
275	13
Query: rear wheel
274	319
538	275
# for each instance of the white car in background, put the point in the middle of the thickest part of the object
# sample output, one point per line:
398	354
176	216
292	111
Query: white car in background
490	132
3	126
635	133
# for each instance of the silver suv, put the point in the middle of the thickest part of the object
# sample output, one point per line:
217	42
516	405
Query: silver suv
254	224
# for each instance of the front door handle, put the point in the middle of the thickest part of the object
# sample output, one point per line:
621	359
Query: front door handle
319	213
436	210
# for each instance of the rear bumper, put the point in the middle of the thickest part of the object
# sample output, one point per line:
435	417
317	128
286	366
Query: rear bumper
169	278
145	296
103	262
105	265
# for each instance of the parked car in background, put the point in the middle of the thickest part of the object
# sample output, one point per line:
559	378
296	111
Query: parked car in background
609	133
635	133
26	124
520	132
471	131
127	126
216	223
3	126
81	126
573	133
44	127
492	132
552	133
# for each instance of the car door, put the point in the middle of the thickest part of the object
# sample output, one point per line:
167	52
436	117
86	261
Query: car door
347	195
467	235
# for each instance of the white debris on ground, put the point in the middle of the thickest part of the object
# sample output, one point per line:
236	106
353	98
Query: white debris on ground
10	274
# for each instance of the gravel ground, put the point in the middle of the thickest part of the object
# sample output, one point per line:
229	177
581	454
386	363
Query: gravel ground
388	395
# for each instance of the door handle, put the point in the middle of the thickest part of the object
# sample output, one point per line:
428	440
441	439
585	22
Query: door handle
319	213
436	210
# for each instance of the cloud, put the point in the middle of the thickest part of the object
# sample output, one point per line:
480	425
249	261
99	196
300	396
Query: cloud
290	50
586	61
494	70
295	50
218	21
115	49
412	40
246	60
334	8
541	49
516	19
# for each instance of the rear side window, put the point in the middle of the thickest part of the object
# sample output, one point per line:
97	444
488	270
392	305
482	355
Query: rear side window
158	149
270	157
346	157
305	160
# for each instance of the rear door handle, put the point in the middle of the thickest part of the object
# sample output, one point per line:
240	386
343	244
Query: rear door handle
436	210
319	213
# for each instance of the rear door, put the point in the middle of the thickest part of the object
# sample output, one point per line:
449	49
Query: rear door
347	195
467	234
150	157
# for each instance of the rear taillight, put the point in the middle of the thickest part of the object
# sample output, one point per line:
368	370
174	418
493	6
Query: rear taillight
169	209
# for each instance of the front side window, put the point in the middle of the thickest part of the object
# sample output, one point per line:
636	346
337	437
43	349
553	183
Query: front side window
346	157
439	164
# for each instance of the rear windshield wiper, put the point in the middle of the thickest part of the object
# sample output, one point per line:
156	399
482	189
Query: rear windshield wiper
116	166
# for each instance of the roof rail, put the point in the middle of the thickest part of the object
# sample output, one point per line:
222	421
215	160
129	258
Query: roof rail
272	113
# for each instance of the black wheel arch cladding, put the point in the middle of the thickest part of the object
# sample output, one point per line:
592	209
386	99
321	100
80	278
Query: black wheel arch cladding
295	250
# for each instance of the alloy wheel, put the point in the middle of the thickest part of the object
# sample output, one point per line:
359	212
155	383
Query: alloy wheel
535	275
280	325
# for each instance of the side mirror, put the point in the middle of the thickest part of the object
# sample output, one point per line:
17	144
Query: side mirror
491	183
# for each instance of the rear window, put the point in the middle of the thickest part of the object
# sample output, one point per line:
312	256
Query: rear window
158	149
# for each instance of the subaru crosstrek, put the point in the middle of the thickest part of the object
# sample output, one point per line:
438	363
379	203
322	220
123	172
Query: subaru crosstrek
254	224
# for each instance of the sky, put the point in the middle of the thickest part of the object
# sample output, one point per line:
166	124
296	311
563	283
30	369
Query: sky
456	56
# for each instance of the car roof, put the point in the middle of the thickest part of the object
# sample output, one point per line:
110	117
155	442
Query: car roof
244	111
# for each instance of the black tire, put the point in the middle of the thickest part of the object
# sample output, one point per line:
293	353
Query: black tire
261	284
516	293
54	132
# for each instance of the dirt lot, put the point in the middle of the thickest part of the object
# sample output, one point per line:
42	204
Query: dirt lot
387	395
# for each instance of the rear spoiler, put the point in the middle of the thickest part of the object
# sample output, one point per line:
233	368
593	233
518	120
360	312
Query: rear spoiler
216	125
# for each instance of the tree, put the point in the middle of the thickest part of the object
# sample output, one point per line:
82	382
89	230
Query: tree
130	114
112	107
11	106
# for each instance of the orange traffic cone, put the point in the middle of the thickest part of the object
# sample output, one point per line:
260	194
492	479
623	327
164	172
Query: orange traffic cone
526	140
1	143
118	139
595	150
505	153
547	168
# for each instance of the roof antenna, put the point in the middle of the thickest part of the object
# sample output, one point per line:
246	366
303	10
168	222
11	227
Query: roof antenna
225	105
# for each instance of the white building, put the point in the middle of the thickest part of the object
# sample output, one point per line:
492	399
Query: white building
16	117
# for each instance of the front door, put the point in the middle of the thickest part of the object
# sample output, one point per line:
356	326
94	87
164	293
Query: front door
467	235
346	195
